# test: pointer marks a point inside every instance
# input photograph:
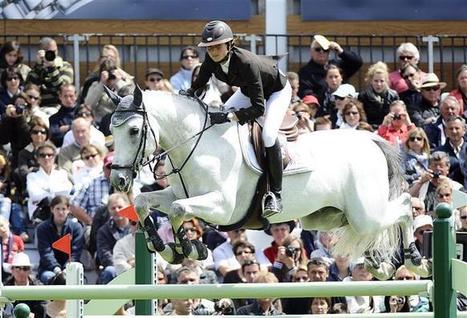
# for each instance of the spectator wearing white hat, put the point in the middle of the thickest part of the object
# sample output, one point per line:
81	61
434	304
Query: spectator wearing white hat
342	95
427	111
421	224
312	75
362	304
21	276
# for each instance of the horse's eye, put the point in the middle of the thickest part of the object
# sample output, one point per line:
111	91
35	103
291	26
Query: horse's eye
134	131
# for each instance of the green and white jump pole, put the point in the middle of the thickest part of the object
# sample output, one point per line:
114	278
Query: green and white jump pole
449	275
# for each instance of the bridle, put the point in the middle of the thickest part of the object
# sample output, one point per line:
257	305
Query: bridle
155	160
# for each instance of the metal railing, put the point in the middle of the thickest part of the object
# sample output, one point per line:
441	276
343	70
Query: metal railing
140	51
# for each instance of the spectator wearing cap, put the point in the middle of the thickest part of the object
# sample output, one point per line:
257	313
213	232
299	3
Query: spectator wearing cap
48	181
341	96
21	276
362	304
377	96
85	202
306	112
396	124
279	232
189	58
421	224
81	129
427	111
52	261
436	131
154	79
312	75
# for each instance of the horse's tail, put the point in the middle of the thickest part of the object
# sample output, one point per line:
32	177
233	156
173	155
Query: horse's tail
394	162
383	245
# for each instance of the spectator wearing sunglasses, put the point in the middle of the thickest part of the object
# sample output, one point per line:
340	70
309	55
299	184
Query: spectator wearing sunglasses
354	114
377	96
427	111
189	58
32	94
21	268
88	167
416	154
406	53
81	129
341	96
49	180
155	80
413	79
312	75
11	85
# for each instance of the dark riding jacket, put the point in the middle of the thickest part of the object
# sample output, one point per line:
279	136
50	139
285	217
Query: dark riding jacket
258	77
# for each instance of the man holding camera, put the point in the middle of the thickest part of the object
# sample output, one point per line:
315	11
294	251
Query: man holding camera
425	187
50	72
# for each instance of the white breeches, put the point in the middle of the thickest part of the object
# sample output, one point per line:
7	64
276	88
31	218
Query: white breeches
276	108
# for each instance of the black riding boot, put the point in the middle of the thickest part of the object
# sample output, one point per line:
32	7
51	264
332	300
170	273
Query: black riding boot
272	202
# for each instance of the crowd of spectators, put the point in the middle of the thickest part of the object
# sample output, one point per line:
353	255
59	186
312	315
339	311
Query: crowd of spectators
57	154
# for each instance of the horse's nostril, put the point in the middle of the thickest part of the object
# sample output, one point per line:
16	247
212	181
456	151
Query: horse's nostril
121	181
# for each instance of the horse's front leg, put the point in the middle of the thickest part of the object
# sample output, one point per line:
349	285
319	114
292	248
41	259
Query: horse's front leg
162	200
211	207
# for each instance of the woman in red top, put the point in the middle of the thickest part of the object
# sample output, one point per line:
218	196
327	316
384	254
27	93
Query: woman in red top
397	124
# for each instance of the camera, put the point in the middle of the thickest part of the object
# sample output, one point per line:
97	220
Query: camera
397	116
290	251
50	55
112	76
19	109
436	175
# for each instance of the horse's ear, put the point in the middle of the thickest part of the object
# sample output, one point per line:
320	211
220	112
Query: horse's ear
114	97
137	96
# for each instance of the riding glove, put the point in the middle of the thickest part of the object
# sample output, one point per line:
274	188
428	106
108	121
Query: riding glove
188	92
218	118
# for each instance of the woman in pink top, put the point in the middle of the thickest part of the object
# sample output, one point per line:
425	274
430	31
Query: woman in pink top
406	53
460	93
396	125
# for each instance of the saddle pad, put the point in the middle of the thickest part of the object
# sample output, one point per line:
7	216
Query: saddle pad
296	164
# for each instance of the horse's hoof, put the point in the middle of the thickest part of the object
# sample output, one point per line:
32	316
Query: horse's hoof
177	257
154	242
413	254
185	243
201	249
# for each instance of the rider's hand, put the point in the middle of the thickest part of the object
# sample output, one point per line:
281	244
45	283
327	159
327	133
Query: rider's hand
218	118
189	92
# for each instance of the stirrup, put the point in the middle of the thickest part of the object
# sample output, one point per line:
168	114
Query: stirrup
271	205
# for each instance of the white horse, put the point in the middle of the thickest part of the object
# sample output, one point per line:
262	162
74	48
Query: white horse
353	184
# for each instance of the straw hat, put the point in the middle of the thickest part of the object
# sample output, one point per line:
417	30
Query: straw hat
432	80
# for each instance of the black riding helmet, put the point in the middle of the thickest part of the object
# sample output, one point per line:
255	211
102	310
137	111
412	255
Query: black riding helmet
216	32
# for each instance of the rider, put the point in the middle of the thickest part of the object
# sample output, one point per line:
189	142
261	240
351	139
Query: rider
264	90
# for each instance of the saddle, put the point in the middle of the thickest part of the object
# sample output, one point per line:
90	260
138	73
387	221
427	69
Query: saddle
288	129
253	217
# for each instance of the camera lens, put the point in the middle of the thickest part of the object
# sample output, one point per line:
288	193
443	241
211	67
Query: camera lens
19	109
290	251
50	55
112	76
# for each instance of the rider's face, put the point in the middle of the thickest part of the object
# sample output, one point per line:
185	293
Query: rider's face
217	52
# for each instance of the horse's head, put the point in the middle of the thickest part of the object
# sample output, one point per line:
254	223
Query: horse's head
132	135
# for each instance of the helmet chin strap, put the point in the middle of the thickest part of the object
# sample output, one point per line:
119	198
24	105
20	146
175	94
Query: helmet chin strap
229	52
